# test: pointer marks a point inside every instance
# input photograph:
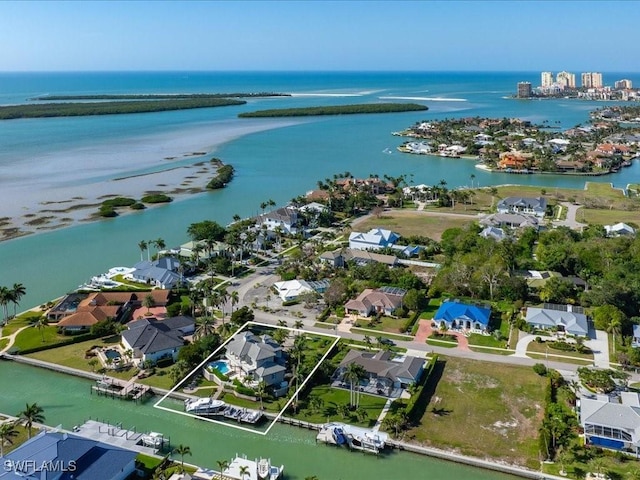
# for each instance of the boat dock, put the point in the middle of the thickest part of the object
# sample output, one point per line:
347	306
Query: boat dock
242	415
115	388
119	437
355	438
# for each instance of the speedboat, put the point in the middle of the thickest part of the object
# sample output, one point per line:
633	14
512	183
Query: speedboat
204	406
153	439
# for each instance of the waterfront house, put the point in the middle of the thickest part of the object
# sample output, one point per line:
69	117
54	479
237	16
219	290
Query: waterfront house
456	315
100	306
561	318
382	301
612	422
152	340
385	374
161	273
536	206
64	456
259	358
286	219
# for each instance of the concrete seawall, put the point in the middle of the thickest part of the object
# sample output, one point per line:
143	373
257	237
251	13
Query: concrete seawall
409	447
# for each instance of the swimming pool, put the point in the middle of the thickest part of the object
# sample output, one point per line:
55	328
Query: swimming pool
112	354
221	365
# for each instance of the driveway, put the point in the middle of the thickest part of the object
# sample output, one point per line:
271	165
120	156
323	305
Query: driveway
570	221
600	347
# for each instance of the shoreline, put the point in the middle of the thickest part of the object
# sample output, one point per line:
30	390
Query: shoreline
452	456
71	185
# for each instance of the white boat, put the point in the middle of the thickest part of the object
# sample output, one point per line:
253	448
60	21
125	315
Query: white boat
259	469
204	406
354	437
153	439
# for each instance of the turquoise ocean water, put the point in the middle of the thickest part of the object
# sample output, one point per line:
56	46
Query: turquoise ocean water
278	163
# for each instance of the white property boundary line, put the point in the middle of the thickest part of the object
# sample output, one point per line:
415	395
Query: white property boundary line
206	360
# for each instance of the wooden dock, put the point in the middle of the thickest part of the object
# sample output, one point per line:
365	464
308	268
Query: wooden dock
125	390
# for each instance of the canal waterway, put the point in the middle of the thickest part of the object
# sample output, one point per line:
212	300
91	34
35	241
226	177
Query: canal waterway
67	401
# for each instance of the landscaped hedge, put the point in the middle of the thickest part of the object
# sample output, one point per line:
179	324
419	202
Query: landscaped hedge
75	339
324	315
411	321
414	400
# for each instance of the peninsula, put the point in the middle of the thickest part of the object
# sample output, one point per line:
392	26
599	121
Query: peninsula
512	145
337	110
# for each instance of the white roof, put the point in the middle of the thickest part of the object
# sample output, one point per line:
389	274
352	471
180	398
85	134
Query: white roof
292	288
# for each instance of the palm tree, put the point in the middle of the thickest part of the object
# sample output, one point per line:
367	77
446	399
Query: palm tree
235	299
316	404
260	391
298	324
205	326
472	177
243	471
148	302
367	341
5	298
354	373
31	414
223	297
182	450
160	245
597	465
40	324
7	432
142	245
614	327
17	292
222	465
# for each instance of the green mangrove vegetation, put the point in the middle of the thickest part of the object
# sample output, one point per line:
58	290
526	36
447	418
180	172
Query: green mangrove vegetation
223	176
337	110
152	96
74	109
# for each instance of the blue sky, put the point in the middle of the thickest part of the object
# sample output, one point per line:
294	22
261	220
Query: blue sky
319	35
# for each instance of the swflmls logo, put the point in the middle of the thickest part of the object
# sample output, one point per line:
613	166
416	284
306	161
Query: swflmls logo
34	466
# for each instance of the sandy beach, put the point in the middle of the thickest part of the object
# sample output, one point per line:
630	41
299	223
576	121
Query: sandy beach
67	187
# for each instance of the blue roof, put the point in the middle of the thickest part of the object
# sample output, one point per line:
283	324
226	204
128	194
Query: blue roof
85	459
450	311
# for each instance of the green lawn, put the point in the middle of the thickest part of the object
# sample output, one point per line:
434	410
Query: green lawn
535	347
33	337
331	398
441	343
18	439
483	410
492	351
574	360
3	343
486	341
385	324
432	308
374	335
23	320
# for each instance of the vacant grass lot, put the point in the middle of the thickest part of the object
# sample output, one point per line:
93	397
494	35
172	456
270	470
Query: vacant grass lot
331	398
542	348
386	324
408	223
484	410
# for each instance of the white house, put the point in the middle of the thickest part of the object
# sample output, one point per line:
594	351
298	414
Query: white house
161	273
292	289
525	205
374	239
285	218
152	340
619	229
566	321
260	358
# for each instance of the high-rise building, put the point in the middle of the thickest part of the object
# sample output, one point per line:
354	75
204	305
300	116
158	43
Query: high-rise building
592	80
524	89
546	79
566	79
623	84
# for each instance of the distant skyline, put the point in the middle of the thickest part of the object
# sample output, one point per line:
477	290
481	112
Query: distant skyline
313	35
